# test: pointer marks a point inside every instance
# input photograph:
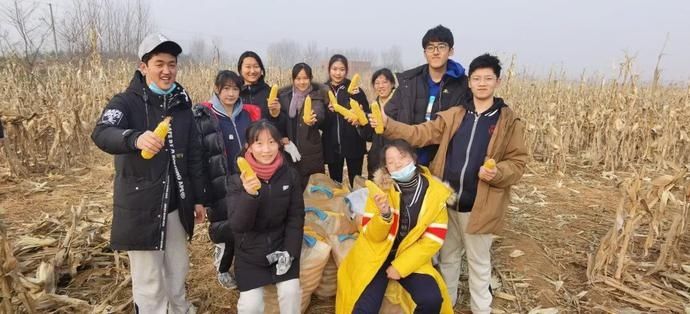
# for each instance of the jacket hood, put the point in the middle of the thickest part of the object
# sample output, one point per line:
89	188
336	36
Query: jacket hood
454	70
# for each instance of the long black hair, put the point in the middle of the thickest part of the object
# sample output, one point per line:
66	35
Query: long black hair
251	54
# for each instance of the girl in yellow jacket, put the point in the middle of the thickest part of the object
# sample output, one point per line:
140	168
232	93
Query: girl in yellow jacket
401	231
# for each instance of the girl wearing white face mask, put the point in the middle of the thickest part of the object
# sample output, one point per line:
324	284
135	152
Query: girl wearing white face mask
402	230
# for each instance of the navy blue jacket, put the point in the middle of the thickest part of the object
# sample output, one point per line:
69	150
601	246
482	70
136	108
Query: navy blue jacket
222	140
467	150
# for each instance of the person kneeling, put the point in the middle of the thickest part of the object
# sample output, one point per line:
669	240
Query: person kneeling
266	214
402	230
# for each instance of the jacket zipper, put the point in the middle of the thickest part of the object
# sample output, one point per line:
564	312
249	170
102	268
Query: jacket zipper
467	157
337	121
268	240
166	194
440	95
237	133
165	201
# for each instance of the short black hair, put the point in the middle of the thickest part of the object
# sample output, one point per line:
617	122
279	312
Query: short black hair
386	72
166	47
338	57
299	67
251	54
439	33
402	146
227	78
486	61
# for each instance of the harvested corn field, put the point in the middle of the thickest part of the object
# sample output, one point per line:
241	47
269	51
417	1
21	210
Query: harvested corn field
599	222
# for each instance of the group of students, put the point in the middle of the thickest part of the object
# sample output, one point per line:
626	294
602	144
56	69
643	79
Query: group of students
440	126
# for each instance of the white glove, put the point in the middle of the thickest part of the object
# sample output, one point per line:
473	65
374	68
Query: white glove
283	261
291	149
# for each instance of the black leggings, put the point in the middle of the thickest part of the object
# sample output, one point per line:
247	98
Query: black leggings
354	168
423	289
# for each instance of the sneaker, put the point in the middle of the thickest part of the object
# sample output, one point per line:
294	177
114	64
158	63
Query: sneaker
227	281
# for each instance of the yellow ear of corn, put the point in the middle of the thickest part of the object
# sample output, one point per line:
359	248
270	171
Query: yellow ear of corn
376	113
271	97
331	98
373	188
490	164
354	84
340	109
273	94
306	114
245	168
357	110
161	132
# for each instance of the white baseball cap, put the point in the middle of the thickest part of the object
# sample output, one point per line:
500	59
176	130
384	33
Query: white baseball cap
153	41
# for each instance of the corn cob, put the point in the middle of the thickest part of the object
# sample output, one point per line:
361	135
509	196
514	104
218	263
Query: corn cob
271	97
245	169
354	84
490	164
340	109
378	117
373	188
357	110
160	132
307	112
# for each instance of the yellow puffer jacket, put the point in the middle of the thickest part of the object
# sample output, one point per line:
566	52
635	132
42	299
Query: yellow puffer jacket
414	253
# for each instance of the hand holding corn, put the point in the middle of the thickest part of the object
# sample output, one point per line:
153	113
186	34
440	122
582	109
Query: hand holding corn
248	177
488	170
151	143
377	118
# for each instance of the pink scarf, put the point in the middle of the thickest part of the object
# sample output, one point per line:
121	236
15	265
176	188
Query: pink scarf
264	172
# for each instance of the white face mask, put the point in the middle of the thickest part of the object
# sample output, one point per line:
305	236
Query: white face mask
404	174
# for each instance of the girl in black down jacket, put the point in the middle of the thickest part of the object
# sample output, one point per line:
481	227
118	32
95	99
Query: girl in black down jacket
267	218
343	141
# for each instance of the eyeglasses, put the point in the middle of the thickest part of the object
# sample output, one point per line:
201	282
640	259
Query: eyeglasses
440	47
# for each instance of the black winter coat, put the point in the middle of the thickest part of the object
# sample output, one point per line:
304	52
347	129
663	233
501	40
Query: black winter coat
306	138
257	94
272	221
140	201
218	169
410	99
340	138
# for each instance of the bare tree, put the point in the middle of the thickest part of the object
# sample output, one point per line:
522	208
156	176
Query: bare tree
284	54
392	58
120	25
29	28
311	53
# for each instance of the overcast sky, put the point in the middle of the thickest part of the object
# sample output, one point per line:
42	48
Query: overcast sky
543	34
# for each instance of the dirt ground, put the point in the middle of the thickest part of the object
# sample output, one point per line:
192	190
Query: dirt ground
539	260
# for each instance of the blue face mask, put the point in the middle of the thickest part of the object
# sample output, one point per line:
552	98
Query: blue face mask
158	91
405	174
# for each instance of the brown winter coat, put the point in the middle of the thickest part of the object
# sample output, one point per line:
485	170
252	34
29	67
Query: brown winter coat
507	147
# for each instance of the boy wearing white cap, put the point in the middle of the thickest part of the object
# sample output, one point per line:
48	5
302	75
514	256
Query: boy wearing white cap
156	201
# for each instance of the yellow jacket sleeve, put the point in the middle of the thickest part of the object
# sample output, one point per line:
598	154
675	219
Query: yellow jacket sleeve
375	228
419	135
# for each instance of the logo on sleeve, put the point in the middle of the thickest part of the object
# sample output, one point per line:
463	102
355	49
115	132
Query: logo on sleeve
285	187
111	117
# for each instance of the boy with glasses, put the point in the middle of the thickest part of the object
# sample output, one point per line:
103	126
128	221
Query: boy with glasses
427	89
